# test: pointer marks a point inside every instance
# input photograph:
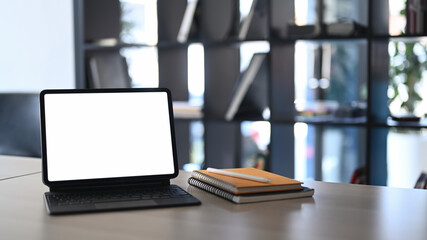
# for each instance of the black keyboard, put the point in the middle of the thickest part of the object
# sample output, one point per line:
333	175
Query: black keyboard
69	202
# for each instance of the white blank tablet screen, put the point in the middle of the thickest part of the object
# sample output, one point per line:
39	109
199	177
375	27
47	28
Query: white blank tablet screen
106	135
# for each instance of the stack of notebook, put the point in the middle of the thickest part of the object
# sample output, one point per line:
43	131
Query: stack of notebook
243	190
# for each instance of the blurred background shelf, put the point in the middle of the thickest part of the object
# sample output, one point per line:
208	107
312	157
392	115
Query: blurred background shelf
357	70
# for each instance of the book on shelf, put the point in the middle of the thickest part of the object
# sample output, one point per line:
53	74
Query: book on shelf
253	197
416	17
421	181
108	70
303	30
169	19
345	29
247	21
220	21
255	24
405	117
187	21
186	110
250	95
309	30
238	186
105	24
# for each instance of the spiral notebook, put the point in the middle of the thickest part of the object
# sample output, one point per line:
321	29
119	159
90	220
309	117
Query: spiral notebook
252	197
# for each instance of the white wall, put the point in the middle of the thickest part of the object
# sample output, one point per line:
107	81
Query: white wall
36	45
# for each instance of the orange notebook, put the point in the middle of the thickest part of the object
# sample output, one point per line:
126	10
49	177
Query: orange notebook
242	186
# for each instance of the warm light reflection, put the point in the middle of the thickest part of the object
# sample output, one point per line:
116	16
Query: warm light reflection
301	13
396	19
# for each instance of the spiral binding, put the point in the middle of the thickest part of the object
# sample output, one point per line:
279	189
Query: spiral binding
211	189
217	182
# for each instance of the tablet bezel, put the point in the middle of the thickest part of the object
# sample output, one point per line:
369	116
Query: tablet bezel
105	181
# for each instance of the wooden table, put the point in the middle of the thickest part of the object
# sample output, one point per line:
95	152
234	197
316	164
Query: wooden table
337	211
12	166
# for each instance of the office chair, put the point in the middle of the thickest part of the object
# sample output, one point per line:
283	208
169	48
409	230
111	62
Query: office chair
20	124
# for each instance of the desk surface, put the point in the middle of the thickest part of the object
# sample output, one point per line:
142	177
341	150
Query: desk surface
337	211
11	166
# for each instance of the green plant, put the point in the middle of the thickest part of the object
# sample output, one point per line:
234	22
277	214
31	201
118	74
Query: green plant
407	64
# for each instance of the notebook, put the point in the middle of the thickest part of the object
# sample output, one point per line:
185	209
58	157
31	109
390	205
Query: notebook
243	186
252	197
109	149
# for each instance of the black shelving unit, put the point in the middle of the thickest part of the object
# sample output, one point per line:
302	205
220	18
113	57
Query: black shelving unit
222	68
